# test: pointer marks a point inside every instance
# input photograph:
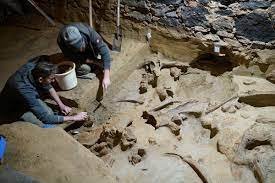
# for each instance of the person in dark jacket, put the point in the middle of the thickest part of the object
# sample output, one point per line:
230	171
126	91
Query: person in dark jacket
82	45
23	91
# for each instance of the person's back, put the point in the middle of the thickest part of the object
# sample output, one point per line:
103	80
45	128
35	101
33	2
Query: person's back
21	81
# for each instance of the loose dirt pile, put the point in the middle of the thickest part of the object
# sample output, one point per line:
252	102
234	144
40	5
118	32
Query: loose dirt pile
51	155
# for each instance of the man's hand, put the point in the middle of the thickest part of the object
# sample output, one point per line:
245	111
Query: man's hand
65	109
106	79
80	116
105	83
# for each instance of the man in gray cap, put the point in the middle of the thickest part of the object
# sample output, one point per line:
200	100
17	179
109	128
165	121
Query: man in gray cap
82	44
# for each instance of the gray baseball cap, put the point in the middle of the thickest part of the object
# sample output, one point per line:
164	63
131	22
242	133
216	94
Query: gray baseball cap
73	38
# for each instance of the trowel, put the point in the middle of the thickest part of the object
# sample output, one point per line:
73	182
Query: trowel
118	35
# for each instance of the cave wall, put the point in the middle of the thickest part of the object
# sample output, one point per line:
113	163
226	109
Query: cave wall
189	26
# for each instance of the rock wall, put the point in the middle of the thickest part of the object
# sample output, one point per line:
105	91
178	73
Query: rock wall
243	28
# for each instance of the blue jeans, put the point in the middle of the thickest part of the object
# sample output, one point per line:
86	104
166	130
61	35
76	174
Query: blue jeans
30	117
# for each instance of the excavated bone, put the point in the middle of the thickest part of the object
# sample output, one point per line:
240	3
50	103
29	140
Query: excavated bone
181	65
249	82
158	120
175	129
192	107
154	65
195	166
131	101
175	73
165	104
221	104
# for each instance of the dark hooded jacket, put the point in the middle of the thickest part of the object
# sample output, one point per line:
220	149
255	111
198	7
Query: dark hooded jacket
94	46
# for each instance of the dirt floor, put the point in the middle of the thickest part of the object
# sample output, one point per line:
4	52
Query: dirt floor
163	120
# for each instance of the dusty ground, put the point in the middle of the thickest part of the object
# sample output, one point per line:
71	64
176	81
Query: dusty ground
164	121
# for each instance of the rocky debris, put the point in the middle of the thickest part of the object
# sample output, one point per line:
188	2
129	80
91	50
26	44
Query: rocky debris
223	24
100	149
255	150
128	139
254	4
137	155
147	79
139	16
166	89
225	34
255	26
110	137
89	138
194	16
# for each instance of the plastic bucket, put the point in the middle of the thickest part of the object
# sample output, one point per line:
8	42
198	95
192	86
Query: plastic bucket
66	76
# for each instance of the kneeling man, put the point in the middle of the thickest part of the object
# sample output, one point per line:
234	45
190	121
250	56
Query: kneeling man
24	89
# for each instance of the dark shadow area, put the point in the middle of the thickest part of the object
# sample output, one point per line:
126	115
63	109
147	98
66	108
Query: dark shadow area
251	145
215	64
150	119
213	131
74	126
258	100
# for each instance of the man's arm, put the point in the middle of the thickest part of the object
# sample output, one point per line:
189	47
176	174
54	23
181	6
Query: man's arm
63	108
35	106
104	51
